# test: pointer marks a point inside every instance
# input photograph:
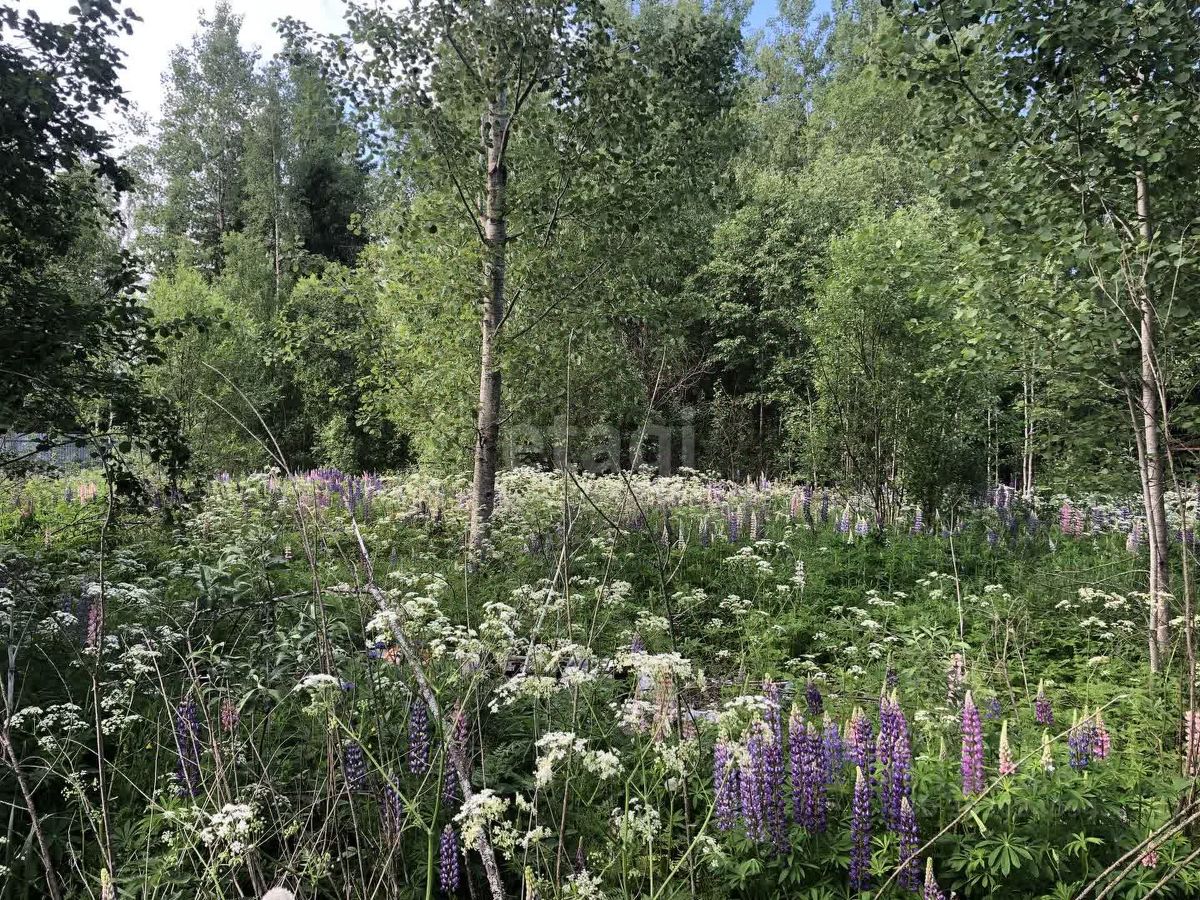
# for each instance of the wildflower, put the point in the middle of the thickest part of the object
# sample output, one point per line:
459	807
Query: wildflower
992	538
107	890
993	710
832	749
1191	727
752	776
1080	742
1134	539
1047	753
955	677
843	525
1007	765
187	744
354	766
229	715
1102	745
910	843
449	875
1043	712
861	746
824	507
391	811
812	696
808	773
860	832
704	536
725	785
418	737
932	891
918	525
972	748
1149	859
895	761
773	782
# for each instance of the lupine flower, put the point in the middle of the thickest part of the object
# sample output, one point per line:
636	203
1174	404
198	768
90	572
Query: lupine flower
636	644
418	737
1191	728
895	760
843	525
812	696
1080	741
824	507
808	773
891	678
229	715
1047	752
910	843
955	676
94	620
860	832
972	748
774	777
1065	517
391	811
918	525
752	776
449	875
992	538
1007	765
733	527
1102	745
832	749
862	528
354	766
860	741
725	785
932	891
1149	859
1077	523
704	536
992	710
1043	712
187	745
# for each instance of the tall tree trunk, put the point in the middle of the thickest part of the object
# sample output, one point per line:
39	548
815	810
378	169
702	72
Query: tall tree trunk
494	128
1151	459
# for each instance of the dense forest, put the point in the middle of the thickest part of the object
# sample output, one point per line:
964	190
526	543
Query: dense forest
526	449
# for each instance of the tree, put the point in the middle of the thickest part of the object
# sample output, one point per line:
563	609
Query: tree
72	339
199	157
482	89
1079	123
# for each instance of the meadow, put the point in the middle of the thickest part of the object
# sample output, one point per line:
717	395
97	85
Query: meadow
649	686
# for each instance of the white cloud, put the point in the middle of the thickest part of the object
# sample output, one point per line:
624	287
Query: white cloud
168	23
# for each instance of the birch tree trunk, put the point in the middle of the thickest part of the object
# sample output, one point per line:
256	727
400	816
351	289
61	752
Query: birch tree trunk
1151	459
494	130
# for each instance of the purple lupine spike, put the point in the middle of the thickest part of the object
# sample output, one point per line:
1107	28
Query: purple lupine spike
918	525
773	769
812	696
833	750
932	891
896	773
910	843
891	678
993	709
751	776
449	874
843	525
1103	744
809	775
1043	712
734	526
824	507
187	745
354	766
860	832
725	785
391	810
636	644
1081	742
418	737
972	748
861	741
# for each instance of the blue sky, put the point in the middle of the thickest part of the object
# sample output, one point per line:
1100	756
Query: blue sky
760	13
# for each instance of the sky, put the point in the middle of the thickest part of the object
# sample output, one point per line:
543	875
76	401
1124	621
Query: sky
168	23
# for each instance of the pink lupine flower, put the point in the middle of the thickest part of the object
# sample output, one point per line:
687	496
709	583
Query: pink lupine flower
1007	765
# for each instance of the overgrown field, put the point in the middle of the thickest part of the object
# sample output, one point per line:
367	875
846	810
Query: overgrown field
655	687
